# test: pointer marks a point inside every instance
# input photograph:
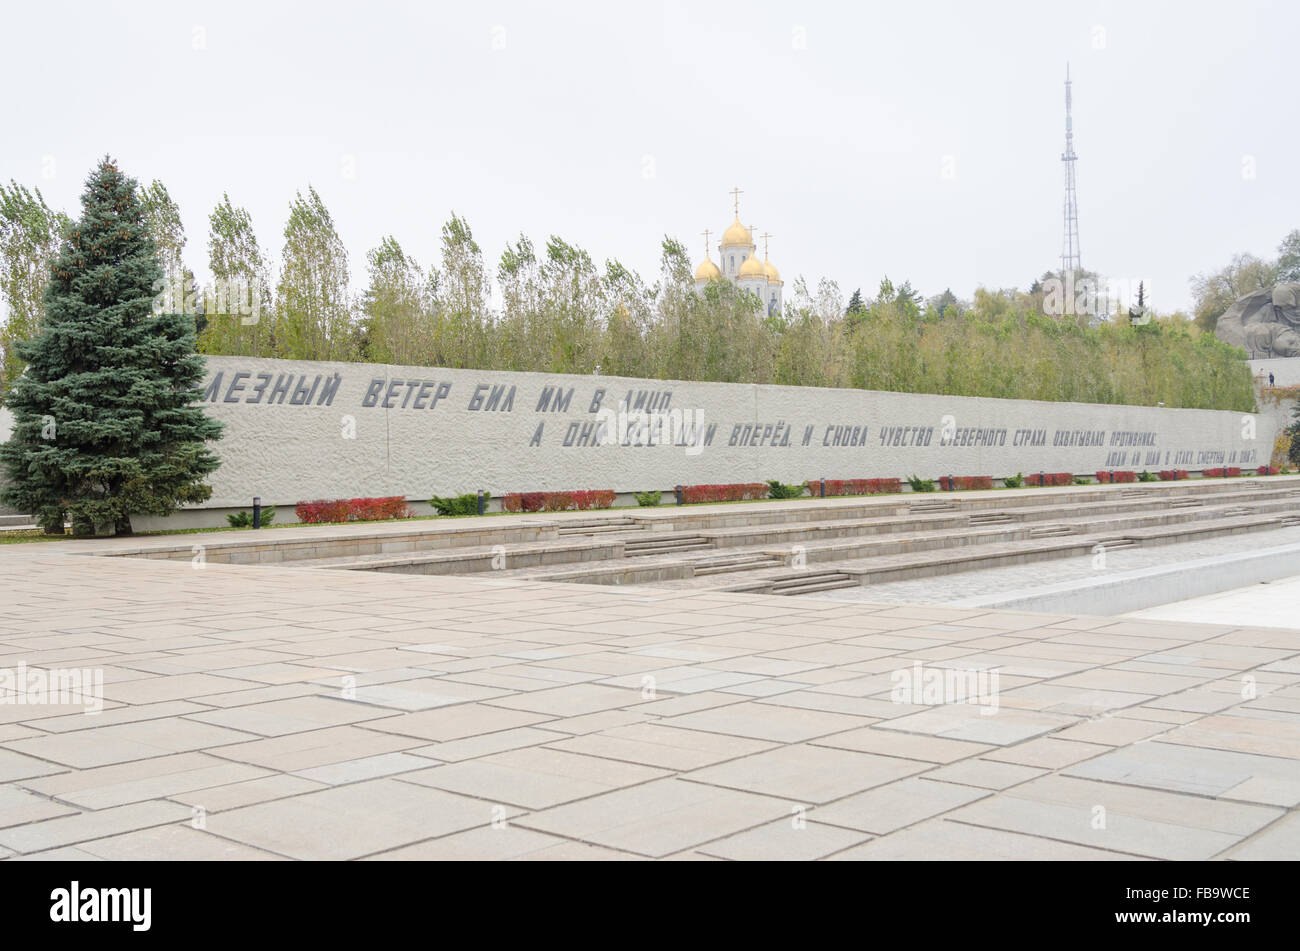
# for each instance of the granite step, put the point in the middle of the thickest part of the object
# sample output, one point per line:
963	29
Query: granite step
1116	544
990	518
803	583
933	505
745	563
660	545
601	528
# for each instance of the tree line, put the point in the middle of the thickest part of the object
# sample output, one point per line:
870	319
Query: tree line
552	308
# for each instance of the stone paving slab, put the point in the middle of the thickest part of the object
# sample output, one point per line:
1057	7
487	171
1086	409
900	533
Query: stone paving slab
267	712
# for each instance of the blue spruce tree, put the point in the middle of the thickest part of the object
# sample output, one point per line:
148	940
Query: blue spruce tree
106	420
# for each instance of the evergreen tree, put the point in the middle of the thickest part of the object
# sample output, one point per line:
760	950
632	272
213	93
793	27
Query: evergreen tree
946	304
856	304
105	425
1137	315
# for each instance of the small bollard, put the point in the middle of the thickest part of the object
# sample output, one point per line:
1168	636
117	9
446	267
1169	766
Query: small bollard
951	485
257	511
823	488
480	501
678	492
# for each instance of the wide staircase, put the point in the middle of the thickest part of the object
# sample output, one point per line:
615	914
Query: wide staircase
805	546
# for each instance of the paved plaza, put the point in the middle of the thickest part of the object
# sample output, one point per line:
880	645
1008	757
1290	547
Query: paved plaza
281	712
1012	579
1276	603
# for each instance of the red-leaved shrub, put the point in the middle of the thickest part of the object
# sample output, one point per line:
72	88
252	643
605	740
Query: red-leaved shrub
1229	472
593	499
353	510
582	500
734	492
1105	476
1268	470
855	486
1172	475
557	501
965	482
1050	478
524	501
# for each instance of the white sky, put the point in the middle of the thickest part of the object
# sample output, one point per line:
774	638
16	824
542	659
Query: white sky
839	146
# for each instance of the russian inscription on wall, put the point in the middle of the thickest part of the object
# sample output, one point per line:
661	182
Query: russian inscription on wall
297	430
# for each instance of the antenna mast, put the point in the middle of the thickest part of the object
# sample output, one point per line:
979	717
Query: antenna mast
1070	247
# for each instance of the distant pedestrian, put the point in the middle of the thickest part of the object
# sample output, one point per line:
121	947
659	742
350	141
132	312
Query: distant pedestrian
1270	378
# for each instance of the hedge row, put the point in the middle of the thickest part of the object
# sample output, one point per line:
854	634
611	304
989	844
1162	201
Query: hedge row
1050	478
580	500
353	510
734	492
855	486
394	507
946	483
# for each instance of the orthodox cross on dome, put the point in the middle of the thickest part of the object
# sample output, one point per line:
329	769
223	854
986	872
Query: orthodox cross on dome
765	236
706	232
753	230
735	194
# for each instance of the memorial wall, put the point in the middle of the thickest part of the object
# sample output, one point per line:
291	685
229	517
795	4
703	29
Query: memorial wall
306	430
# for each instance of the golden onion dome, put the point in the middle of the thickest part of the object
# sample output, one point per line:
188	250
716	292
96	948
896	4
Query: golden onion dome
737	236
773	275
753	267
708	271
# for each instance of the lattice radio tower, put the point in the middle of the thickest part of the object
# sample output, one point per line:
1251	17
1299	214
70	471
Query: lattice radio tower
1070	247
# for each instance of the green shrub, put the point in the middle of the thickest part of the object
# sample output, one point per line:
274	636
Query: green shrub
1016	481
466	504
245	519
779	490
920	485
1145	476
648	499
1082	480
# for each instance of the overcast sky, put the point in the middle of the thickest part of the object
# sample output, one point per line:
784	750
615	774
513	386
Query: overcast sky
614	124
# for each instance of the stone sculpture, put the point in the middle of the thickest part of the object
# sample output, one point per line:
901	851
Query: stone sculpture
1265	323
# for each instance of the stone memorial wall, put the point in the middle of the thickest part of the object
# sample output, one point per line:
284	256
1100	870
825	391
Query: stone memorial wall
305	430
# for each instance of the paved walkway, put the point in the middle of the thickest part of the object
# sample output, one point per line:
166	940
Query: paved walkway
279	712
1275	603
1008	579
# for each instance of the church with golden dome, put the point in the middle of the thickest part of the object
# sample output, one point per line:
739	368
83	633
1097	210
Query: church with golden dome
740	264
